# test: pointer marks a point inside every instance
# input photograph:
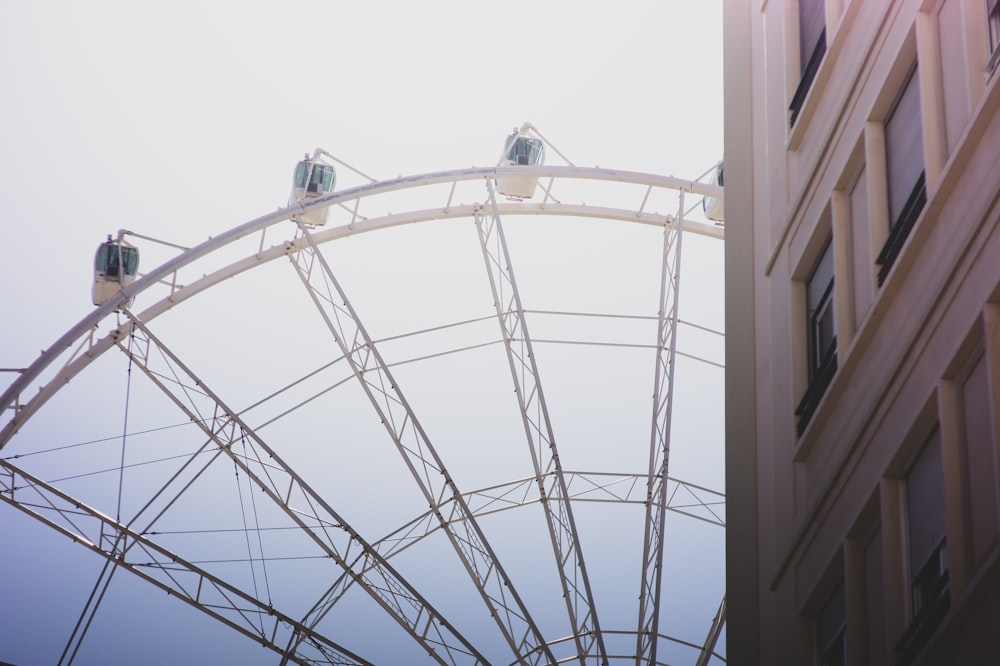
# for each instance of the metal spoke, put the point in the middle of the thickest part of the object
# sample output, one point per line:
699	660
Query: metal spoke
299	501
659	447
708	651
538	431
427	468
93	603
135	552
607	487
617	195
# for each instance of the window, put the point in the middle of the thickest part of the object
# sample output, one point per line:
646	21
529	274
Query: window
108	256
993	18
926	541
322	178
301	174
831	629
907	192
812	47
524	150
821	334
980	461
874	596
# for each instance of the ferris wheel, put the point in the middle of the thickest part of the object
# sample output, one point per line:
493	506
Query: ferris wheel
331	433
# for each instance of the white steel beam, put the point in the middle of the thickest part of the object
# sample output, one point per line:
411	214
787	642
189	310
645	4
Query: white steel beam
181	277
541	440
299	501
659	447
425	465
684	498
708	651
167	273
135	552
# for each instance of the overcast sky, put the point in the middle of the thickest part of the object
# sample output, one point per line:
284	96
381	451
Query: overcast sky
181	120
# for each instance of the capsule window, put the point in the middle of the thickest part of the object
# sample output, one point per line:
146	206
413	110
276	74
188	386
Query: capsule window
301	174
525	151
322	175
104	257
130	257
108	260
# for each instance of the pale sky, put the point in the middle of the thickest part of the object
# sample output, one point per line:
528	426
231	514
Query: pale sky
182	120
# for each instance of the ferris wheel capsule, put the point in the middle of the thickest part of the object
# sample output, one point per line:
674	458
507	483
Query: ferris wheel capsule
715	207
115	266
521	150
310	180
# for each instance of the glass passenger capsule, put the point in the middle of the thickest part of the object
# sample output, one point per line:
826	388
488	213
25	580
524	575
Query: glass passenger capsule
520	150
115	267
715	207
310	180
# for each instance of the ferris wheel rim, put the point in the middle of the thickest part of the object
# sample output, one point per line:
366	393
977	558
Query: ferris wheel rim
185	292
10	398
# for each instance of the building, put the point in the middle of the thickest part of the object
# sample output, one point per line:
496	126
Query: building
863	270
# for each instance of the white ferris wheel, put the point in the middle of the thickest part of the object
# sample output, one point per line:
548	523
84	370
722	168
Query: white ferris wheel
351	438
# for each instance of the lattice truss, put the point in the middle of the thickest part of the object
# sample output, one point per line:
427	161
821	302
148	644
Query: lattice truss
236	485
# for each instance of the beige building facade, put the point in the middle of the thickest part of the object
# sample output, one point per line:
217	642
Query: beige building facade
863	316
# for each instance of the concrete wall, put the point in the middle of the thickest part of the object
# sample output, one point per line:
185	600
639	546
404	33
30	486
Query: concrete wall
809	510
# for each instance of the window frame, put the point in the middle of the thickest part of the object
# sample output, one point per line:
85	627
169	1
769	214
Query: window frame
979	544
821	358
874	621
810	55
929	578
901	221
818	312
832	650
993	30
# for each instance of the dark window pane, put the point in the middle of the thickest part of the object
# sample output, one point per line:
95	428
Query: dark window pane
875	635
301	174
812	21
831	629
809	71
993	16
925	503
821	277
322	177
824	332
821	335
525	150
981	466
904	147
104	255
820	310
929	586
130	258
